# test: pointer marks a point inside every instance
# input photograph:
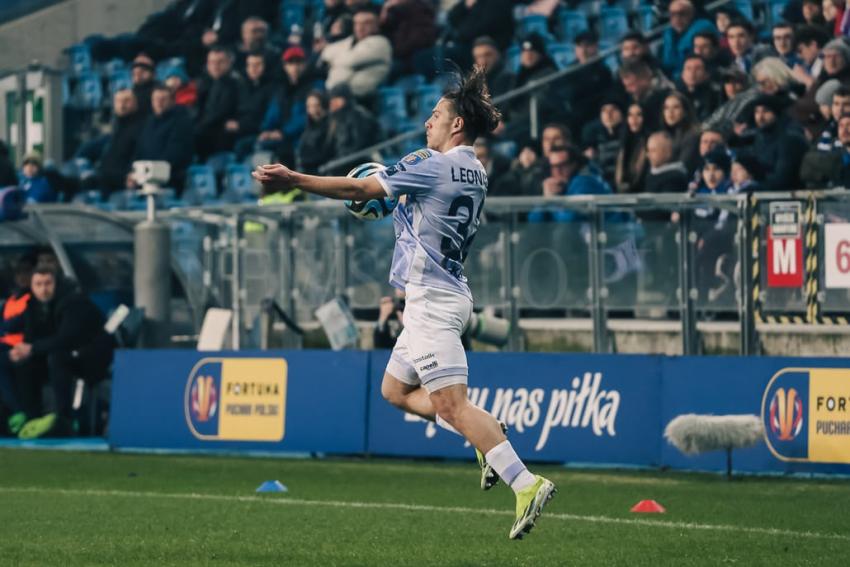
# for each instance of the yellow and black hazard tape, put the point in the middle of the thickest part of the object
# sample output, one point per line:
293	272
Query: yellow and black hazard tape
754	230
811	255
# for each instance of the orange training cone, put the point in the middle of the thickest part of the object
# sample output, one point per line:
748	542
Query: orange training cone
648	507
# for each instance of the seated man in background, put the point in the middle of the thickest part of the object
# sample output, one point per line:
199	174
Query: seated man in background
116	159
12	334
63	339
34	182
166	136
361	61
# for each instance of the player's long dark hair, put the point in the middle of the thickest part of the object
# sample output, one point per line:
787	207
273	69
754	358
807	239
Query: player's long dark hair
471	99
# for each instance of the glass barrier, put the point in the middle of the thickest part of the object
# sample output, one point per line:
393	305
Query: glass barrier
834	248
778	296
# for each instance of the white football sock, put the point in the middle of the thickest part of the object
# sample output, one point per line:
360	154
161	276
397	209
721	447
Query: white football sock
446	425
509	467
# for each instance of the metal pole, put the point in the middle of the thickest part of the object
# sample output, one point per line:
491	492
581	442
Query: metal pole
509	237
152	276
236	282
598	292
21	117
687	292
532	113
746	301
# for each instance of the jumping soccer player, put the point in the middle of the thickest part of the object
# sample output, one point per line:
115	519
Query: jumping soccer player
444	188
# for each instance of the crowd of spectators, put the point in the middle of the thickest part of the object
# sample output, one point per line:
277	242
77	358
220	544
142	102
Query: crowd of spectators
769	90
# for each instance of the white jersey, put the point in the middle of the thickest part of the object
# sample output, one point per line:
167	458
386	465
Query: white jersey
437	223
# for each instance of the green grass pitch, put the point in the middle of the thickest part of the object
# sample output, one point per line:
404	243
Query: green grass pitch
68	509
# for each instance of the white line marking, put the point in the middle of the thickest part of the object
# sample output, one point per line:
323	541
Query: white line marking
286	501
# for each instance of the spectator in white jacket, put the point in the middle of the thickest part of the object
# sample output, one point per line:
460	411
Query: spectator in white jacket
362	60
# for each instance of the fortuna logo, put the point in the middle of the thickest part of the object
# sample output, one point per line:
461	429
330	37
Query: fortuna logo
786	414
204	398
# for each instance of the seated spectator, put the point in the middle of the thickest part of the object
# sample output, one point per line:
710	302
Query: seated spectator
534	64
471	19
254	95
255	40
680	122
836	65
810	41
314	148
665	175
836	106
696	84
570	174
412	29
185	91
495	165
361	61
741	37
142	75
11	334
583	89
166	136
351	127
334	10
63	338
634	45
745	174
34	182
218	93
486	54
632	164
779	144
531	166
678	38
723	18
116	160
708	140
643	88
286	115
707	45
784	45
813	16
601	139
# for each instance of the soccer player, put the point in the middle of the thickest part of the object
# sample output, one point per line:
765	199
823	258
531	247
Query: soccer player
444	188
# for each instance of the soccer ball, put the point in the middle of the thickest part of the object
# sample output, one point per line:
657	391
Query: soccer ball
373	209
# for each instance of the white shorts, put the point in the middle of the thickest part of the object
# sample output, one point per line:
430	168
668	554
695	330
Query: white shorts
428	351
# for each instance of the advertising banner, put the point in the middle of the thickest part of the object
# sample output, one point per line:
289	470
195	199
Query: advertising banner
301	401
836	255
785	245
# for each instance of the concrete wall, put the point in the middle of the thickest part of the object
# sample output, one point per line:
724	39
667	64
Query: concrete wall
44	34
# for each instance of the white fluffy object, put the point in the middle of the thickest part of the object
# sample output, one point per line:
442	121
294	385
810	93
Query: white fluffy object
693	434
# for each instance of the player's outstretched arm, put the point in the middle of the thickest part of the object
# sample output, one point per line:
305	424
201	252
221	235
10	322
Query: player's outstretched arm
280	178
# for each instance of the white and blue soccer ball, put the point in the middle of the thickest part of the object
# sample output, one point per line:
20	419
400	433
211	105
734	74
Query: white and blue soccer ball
373	209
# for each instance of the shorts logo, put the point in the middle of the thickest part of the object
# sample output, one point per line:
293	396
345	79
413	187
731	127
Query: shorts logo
423	357
429	366
786	414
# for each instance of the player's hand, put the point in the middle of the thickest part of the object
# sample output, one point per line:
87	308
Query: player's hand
385	309
275	177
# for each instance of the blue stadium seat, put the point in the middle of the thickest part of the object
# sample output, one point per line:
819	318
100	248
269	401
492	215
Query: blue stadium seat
292	12
512	58
119	80
80	56
392	107
612	62
89	91
506	148
219	162
613	23
774	10
200	184
563	54
645	17
409	83
572	22
534	23
164	67
238	184
113	66
427	97
745	7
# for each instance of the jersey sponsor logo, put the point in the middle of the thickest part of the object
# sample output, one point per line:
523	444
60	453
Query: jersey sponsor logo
417	156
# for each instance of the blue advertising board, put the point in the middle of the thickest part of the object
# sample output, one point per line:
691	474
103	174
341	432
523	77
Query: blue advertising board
302	401
578	408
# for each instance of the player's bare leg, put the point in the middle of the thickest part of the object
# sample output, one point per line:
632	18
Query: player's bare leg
484	432
406	397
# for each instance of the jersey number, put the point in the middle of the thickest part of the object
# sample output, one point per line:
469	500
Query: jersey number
447	245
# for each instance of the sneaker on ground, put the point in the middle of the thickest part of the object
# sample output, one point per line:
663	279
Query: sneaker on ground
489	478
529	505
38	427
16	422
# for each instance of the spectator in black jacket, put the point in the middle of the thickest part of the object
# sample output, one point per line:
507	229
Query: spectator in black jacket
63	338
8	176
706	44
602	138
644	88
583	89
779	144
254	95
255	35
351	127
696	84
486	54
470	19
411	27
167	135
143	81
218	94
117	157
665	175
534	64
314	148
